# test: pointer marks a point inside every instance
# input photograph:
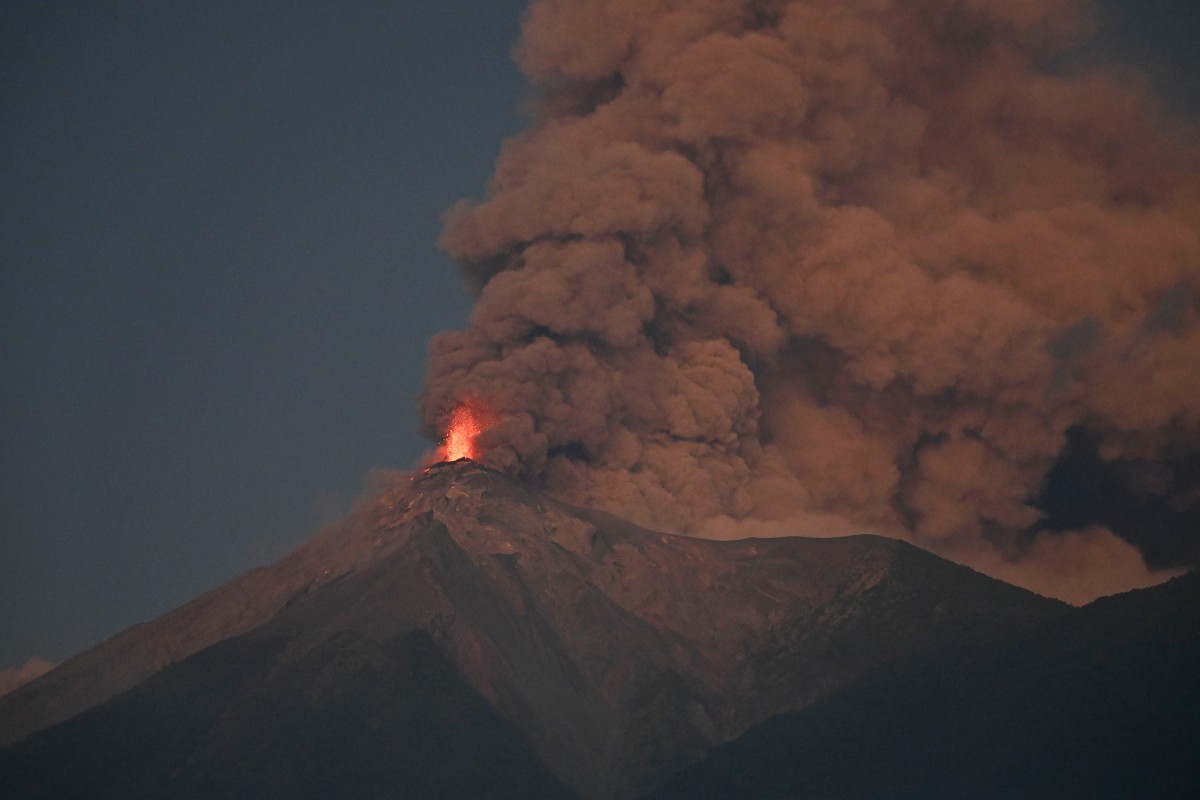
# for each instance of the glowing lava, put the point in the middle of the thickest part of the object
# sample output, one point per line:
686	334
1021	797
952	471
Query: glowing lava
466	423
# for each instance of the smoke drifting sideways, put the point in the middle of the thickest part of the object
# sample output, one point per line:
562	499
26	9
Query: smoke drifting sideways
832	266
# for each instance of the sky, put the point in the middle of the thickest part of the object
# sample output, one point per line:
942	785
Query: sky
218	274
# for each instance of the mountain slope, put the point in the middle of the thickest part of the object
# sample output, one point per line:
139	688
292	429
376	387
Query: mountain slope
620	654
241	720
1101	702
137	653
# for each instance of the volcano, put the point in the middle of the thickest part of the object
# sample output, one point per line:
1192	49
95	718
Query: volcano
463	635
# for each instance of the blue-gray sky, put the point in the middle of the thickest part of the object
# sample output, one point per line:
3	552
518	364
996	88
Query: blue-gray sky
219	277
219	273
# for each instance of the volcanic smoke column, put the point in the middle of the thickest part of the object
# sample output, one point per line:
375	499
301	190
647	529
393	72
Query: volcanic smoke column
836	264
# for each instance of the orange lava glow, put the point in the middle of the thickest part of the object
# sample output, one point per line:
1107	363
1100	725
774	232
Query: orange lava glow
466	423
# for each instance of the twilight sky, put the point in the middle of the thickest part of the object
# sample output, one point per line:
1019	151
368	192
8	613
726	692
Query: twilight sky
218	274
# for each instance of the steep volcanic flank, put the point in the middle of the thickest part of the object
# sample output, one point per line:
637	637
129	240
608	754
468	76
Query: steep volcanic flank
620	654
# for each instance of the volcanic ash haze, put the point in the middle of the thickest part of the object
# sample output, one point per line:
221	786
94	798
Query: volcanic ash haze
810	267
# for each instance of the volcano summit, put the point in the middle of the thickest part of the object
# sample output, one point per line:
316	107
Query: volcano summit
463	635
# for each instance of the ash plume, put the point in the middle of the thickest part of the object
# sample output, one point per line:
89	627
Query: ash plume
764	267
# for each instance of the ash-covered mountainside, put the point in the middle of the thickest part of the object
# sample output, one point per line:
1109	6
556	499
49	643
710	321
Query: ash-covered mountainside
1100	703
506	628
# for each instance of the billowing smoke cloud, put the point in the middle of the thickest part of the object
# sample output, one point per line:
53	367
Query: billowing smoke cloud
830	265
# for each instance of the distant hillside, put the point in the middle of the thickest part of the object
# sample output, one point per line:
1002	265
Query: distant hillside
1103	702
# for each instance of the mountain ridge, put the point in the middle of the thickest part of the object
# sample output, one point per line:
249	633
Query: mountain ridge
622	655
1099	702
